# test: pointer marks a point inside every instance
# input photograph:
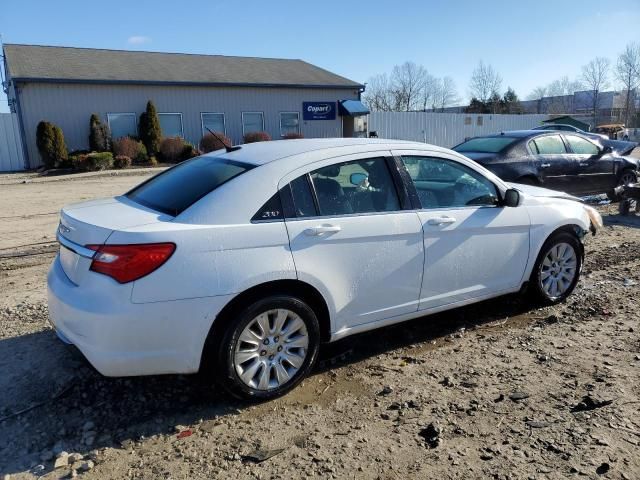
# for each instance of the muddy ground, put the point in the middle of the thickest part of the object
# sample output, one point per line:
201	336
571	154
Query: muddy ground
496	390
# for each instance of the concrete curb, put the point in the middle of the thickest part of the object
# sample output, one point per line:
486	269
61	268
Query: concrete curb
26	178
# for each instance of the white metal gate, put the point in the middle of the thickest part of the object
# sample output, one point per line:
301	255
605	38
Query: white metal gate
446	129
11	152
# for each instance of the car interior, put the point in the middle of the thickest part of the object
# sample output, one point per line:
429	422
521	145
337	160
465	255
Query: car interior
442	184
355	187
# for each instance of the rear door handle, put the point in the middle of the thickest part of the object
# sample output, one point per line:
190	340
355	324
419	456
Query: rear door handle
322	229
583	164
441	220
545	165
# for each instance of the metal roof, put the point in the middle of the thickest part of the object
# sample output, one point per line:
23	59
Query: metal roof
89	65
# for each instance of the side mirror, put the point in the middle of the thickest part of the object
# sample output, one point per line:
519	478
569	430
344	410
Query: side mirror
357	178
511	198
606	149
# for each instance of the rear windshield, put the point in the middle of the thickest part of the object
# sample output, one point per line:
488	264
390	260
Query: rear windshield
485	145
176	189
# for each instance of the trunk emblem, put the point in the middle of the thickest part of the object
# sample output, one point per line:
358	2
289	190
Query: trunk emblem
63	228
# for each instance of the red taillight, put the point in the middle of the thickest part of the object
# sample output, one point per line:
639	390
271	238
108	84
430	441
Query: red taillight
126	263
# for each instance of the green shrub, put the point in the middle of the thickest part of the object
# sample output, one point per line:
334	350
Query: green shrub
50	142
172	149
129	147
149	129
98	161
121	161
189	151
152	161
210	143
99	135
78	161
252	137
60	152
45	138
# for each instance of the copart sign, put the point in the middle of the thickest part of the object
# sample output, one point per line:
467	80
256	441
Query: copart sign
319	110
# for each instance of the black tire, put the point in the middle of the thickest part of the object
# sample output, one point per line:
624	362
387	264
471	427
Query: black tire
535	283
628	175
225	368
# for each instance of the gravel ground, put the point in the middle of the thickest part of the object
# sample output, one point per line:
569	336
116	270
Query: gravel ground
495	390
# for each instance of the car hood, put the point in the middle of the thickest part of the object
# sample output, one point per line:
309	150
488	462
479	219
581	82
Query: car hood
533	191
480	157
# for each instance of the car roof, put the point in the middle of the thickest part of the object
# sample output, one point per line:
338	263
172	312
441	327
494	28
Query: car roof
551	126
520	133
260	153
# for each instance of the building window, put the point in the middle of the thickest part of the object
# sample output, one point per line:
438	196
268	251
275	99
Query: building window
171	124
122	125
289	123
213	122
252	122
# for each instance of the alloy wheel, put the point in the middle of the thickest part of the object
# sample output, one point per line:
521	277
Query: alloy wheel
271	349
558	270
627	178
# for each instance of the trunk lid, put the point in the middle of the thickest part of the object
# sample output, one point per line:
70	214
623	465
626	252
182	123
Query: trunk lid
91	223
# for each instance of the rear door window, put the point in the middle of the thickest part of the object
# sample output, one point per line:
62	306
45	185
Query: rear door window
176	189
550	145
356	187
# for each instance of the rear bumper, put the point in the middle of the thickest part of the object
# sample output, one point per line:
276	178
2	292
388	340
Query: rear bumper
121	338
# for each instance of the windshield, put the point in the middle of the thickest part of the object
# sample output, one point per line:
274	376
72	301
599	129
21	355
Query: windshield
177	188
485	144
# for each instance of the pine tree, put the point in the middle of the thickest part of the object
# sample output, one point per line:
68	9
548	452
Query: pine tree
45	139
99	135
60	153
150	131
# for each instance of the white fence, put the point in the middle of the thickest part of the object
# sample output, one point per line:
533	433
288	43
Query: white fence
446	129
11	152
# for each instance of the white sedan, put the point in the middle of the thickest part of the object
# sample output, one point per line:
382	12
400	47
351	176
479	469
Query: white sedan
241	262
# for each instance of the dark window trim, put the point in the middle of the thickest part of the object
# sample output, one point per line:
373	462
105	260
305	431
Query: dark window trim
286	197
246	166
314	194
408	186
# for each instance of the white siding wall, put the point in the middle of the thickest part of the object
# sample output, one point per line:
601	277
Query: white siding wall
446	129
11	152
70	105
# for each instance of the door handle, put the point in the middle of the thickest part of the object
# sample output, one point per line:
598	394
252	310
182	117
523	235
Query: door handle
322	229
441	220
545	165
583	164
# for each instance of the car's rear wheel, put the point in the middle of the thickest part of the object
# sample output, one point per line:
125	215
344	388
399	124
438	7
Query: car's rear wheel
269	348
557	268
627	176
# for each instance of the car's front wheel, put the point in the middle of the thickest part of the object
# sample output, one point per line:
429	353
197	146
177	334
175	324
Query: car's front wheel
627	176
269	348
557	268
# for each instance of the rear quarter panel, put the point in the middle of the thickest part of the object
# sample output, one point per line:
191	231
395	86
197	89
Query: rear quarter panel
211	260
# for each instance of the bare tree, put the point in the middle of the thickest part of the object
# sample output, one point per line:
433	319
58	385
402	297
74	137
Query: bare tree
429	91
379	95
485	82
408	81
560	95
537	93
595	78
445	94
628	73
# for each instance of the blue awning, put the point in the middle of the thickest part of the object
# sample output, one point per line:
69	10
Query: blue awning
352	108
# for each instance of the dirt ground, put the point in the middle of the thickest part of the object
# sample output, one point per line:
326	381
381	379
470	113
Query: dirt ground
496	390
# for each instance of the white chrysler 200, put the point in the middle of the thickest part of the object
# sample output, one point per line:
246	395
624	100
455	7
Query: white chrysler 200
246	259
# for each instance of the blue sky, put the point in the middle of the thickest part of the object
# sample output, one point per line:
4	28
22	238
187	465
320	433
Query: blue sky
528	43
